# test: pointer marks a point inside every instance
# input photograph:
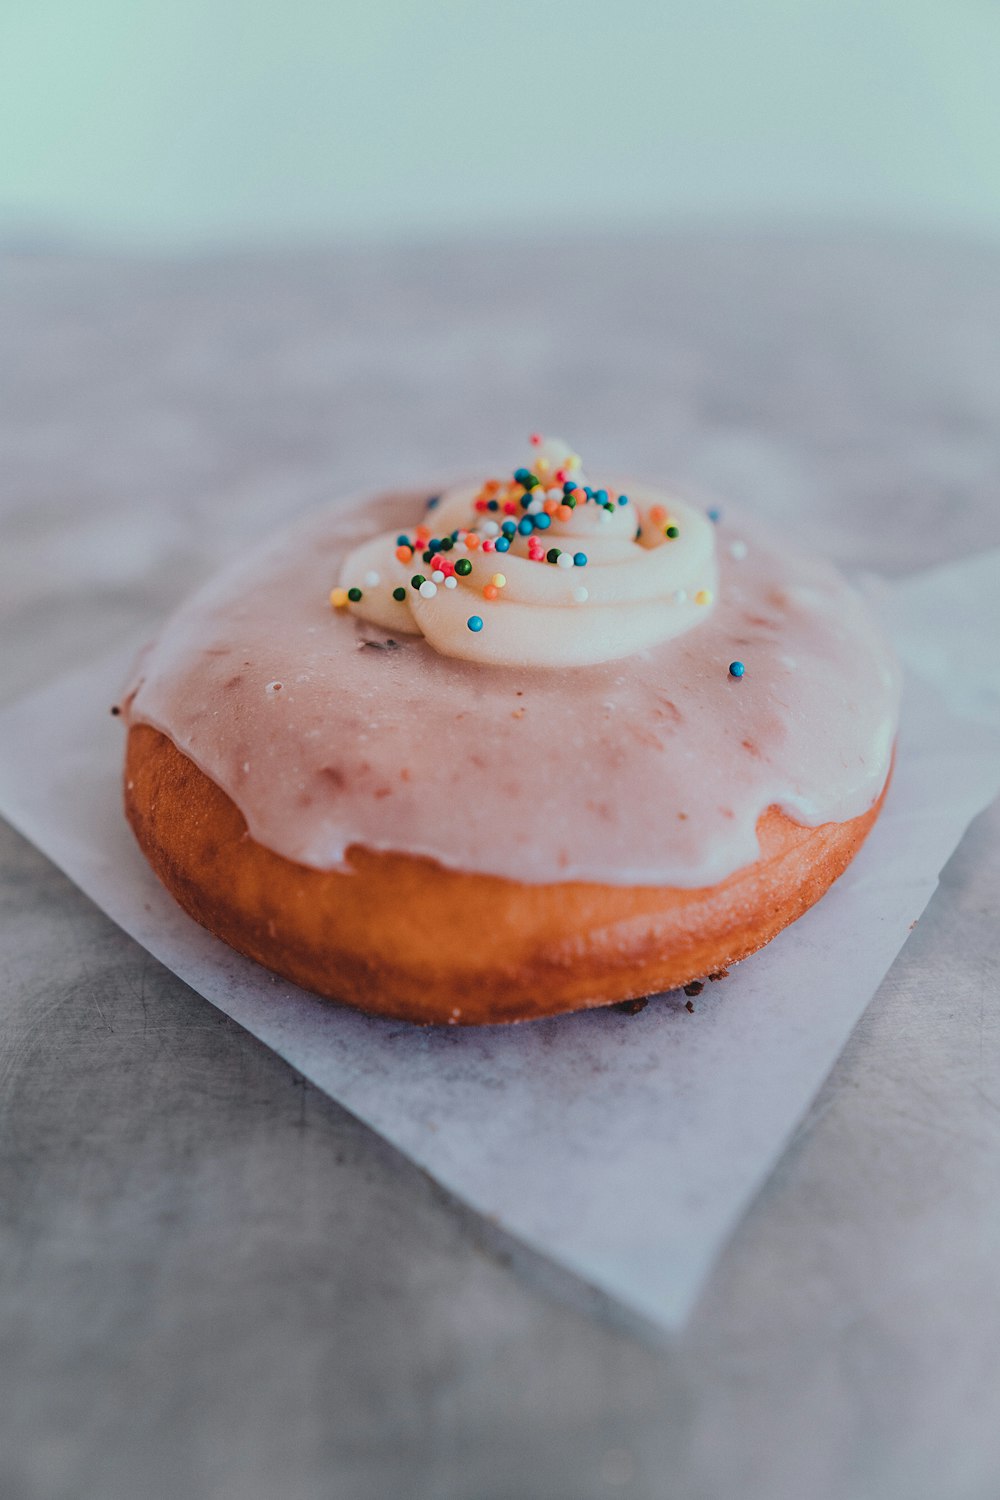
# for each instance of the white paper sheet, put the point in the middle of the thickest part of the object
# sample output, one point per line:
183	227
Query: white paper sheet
623	1147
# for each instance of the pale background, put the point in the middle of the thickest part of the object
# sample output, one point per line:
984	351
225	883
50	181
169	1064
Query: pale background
200	121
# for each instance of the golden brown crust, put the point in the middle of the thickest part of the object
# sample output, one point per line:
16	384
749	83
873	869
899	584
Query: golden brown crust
402	936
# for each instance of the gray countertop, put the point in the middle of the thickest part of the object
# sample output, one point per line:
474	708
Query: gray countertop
214	1282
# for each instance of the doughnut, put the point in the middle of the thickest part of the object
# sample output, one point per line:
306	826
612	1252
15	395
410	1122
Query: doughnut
527	746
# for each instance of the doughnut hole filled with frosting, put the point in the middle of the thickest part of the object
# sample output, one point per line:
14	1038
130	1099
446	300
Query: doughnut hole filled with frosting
522	747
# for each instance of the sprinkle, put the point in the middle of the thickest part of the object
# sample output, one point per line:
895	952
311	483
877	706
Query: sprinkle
525	525
471	541
622	499
601	497
432	501
338	598
490	528
738	550
581	595
493	505
371	579
672	531
580	559
404	553
543	522
535	440
499	580
489	545
657	515
437	576
703	596
354	595
402	541
522	476
552	555
736	669
451	582
565	560
509	528
399	594
503	544
490	591
715	515
475	623
680	596
463	567
427	589
417	580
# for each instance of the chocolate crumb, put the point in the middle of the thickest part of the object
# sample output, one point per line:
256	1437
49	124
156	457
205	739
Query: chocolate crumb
719	974
115	710
388	645
689	1006
694	988
630	1007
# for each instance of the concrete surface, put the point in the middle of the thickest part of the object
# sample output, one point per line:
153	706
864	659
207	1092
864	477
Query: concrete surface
213	1282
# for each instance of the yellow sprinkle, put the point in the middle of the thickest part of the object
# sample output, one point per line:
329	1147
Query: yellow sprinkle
703	596
500	580
338	598
573	462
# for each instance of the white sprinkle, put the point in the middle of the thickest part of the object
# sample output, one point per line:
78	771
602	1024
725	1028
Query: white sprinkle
738	550
564	560
535	506
555	494
680	596
428	589
371	579
451	583
581	595
489	528
438	576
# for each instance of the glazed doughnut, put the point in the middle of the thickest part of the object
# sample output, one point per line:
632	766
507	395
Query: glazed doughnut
411	757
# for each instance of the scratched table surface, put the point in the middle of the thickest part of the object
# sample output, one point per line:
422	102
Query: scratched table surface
213	1281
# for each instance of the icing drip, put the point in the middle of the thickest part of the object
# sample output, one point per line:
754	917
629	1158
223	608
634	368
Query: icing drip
545	572
328	731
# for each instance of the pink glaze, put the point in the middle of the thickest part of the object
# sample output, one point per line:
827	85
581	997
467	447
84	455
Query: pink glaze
649	770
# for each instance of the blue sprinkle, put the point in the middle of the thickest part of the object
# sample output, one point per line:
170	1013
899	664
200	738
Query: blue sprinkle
542	521
402	541
588	492
736	669
475	623
622	499
434	545
502	544
601	497
508	527
716	515
569	487
433	501
526	524
580	559
493	505
521	475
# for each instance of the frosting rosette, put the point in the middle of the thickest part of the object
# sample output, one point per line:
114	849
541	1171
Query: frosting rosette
543	569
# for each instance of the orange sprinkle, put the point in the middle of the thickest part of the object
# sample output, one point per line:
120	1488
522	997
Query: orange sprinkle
471	540
491	591
491	486
657	515
550	507
404	553
564	512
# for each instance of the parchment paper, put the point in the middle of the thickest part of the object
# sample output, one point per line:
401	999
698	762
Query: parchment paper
623	1147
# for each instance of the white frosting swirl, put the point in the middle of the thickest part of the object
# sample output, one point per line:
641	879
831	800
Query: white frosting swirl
631	570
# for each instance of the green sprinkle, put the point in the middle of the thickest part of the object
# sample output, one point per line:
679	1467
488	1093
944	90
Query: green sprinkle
417	580
399	594
354	595
552	555
463	567
672	531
